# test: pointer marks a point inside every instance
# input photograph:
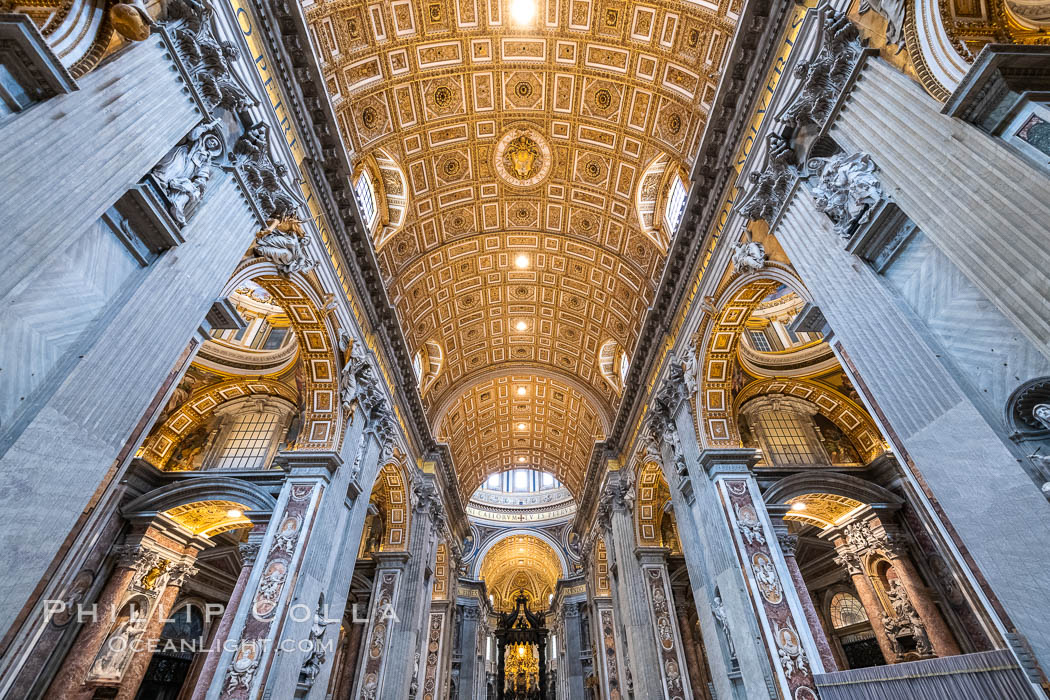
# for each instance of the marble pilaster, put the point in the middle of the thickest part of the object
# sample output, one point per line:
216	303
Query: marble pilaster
434	650
740	667
781	618
934	427
249	552
668	638
630	588
411	605
570	673
472	661
788	543
375	657
609	662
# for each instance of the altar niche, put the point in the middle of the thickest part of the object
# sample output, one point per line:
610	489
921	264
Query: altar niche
522	641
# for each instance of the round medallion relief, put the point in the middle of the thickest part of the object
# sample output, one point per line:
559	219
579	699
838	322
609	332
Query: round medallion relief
522	157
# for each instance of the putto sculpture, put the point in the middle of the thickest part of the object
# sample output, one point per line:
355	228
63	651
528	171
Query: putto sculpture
748	255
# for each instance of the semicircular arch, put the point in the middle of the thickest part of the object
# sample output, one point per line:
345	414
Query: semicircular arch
546	538
738	297
321	409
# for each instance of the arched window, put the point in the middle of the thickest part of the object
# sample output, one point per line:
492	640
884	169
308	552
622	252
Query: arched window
249	433
845	610
784	429
675	207
613	364
417	365
366	198
522	481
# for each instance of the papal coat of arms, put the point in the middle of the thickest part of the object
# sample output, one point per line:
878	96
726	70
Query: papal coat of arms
522	157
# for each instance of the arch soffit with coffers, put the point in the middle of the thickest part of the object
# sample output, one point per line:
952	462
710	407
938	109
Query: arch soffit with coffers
845	413
445	399
469	298
391	486
321	408
720	332
652	494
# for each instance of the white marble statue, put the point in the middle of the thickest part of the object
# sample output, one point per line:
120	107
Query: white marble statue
183	174
749	255
893	11
845	188
284	243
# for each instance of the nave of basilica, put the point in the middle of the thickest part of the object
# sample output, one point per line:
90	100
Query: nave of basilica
525	349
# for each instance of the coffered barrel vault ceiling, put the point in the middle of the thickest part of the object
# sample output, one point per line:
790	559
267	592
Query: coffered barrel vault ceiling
501	142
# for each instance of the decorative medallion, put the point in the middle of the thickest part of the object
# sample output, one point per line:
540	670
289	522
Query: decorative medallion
443	96
369	117
522	158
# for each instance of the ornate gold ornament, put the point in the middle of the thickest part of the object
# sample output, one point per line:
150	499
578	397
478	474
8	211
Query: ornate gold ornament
522	157
149	579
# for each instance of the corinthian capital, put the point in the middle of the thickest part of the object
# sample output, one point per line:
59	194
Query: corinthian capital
426	500
850	562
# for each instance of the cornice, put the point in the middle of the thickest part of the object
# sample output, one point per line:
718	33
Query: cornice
758	33
329	168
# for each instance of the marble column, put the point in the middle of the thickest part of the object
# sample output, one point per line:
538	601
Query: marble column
112	650
928	416
788	543
126	115
410	606
248	551
345	668
870	600
472	659
941	638
630	587
699	678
